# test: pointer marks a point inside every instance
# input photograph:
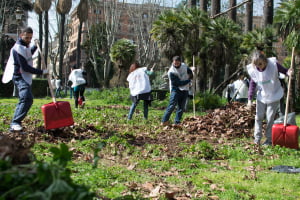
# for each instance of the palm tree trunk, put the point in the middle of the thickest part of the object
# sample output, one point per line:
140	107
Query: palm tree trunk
215	7
46	27
78	51
61	44
203	5
232	13
249	16
40	38
268	12
192	3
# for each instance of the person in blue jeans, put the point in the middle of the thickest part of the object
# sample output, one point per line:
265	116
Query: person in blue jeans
19	69
180	77
140	88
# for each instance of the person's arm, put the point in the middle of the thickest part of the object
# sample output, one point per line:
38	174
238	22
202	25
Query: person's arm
175	81
282	69
33	49
251	91
190	73
21	61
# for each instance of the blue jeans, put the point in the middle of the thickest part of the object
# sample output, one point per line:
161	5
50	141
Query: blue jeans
25	100
57	92
176	98
133	106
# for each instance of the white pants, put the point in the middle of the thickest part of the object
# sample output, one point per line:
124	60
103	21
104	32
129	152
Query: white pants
263	110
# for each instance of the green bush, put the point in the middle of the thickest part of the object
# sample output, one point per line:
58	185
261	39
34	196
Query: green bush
209	101
39	88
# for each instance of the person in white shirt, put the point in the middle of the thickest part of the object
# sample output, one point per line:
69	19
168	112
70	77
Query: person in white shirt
264	76
240	89
58	87
140	88
78	85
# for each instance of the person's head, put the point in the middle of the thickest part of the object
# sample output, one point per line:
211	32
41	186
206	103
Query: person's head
26	35
73	67
176	61
259	60
134	66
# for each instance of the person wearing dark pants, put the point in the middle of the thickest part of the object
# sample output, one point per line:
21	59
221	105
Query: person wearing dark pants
180	77
140	88
78	85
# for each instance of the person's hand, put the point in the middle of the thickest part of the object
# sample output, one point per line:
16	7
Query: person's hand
36	41
45	72
249	104
290	72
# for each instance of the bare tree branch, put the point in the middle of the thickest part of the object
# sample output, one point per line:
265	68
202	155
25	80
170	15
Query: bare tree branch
226	11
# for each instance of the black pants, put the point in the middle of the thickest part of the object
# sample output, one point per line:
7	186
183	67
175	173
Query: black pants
79	92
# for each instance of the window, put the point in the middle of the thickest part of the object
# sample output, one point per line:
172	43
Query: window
145	16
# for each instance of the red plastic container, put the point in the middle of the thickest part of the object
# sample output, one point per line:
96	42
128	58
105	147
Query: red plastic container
285	136
57	115
80	101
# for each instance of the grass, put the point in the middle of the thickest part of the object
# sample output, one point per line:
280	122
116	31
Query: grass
136	159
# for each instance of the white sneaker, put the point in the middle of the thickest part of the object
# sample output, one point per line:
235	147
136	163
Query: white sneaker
16	127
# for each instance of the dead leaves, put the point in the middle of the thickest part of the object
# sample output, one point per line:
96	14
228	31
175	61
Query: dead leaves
232	121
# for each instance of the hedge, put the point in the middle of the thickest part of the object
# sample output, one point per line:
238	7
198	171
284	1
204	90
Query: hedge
39	88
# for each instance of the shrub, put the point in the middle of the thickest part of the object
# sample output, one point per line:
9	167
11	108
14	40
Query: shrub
209	101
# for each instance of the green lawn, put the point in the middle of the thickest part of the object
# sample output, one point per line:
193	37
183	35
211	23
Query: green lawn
138	159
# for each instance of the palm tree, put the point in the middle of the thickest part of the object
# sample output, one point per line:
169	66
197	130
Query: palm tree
286	20
196	21
44	6
63	7
224	37
82	14
122	54
260	39
169	32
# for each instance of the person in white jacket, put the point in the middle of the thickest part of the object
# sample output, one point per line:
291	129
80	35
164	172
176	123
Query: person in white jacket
78	85
140	88
19	69
264	80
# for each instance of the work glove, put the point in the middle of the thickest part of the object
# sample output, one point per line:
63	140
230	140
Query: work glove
45	72
249	104
290	72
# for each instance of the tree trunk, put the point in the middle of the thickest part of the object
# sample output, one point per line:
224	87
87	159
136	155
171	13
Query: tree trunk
268	12
61	44
46	27
249	16
192	3
203	5
215	7
78	50
40	39
232	13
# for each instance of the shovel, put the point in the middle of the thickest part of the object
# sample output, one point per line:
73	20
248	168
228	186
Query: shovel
286	135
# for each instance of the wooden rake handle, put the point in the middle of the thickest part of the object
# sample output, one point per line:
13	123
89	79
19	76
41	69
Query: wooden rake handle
288	92
45	67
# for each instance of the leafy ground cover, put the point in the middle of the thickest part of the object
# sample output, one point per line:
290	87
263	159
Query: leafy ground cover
210	156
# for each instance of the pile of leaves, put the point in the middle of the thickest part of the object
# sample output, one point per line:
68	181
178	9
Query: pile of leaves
233	120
